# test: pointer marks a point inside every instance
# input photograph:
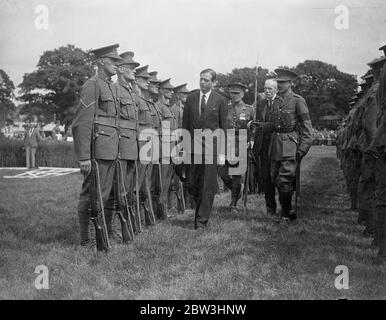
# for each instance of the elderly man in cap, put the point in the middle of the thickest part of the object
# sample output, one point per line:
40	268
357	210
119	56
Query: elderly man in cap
98	102
239	114
378	149
204	110
290	125
264	124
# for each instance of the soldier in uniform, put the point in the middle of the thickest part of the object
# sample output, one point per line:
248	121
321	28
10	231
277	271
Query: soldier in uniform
177	191
378	149
128	123
366	186
239	114
169	124
291	139
154	177
145	121
106	143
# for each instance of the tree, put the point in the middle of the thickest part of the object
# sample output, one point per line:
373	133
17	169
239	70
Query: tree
6	96
54	87
246	76
324	87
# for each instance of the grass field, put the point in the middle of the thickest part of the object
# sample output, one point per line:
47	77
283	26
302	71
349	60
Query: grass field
241	255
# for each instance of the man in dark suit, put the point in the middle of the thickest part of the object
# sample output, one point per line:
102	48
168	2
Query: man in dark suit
269	101
31	139
204	109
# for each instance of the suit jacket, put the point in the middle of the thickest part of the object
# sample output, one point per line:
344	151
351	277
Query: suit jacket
214	116
32	141
262	116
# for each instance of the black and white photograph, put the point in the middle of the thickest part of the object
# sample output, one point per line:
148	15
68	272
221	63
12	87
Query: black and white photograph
192	156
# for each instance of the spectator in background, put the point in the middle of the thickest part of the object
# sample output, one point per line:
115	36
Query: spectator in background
68	135
31	139
56	132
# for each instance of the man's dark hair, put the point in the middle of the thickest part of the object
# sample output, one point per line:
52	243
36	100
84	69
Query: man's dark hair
212	73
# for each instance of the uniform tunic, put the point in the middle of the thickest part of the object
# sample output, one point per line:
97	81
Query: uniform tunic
292	133
103	124
238	117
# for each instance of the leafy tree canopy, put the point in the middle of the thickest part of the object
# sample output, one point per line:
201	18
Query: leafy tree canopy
53	88
326	89
6	97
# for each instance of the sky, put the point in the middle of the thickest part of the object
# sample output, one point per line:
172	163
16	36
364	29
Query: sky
179	38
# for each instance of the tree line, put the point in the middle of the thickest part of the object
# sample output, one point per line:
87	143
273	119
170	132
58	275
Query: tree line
53	88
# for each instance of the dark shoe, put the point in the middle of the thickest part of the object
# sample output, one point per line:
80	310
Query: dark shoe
292	215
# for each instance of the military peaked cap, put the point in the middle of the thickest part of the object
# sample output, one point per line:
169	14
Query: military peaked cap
181	88
237	87
285	75
142	72
107	52
127	58
165	84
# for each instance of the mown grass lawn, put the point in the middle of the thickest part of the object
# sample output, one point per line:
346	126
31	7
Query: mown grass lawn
241	255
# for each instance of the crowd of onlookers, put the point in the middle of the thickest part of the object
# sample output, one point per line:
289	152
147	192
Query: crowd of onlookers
324	137
50	132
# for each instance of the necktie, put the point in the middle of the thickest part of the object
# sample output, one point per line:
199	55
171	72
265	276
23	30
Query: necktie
203	104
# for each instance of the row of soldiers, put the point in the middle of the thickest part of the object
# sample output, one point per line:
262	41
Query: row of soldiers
106	130
361	148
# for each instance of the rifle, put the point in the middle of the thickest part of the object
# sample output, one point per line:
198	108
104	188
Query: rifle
97	215
120	194
138	209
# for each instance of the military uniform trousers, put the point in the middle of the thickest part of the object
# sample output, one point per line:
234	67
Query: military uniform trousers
380	205
232	182
128	171
366	190
106	175
283	176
